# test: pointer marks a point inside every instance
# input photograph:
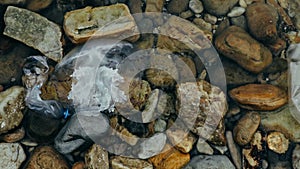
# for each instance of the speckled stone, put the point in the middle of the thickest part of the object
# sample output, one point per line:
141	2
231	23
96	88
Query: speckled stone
11	155
152	146
96	157
277	142
204	147
119	162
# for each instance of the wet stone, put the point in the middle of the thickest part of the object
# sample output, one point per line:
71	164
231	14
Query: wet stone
177	6
11	106
96	157
218	7
40	34
203	147
259	96
182	140
119	162
207	161
14	136
46	157
277	142
196	6
236	44
12	155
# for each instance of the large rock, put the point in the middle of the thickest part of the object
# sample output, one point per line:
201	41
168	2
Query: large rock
210	162
11	106
11	155
236	44
34	30
218	7
116	22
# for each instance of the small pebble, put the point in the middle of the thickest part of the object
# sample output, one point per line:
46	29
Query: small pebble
204	147
160	125
210	18
277	142
182	140
119	162
14	137
186	14
196	6
234	150
202	24
78	165
96	157
152	146
236	11
242	3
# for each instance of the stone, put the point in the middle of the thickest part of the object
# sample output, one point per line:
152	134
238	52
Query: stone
296	156
196	6
46	157
183	144
197	110
236	44
135	6
166	104
218	7
139	92
246	127
207	161
96	157
11	106
36	5
160	125
203	147
210	18
80	25
152	146
259	96
40	34
12	155
222	27
283	15
149	113
177	6
202	24
12	2
277	142
277	47
243	3
170	158
154	5
186	14
236	11
293	36
282	120
234	150
262	22
119	162
14	136
78	165
186	68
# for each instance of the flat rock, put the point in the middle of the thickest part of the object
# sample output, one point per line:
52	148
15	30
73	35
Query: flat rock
46	157
117	22
210	162
12	155
11	106
152	146
96	157
236	44
40	34
119	162
259	96
218	7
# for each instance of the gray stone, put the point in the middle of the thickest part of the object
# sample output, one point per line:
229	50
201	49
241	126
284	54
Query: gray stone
234	150
152	146
196	6
177	6
218	7
239	21
11	106
34	30
296	157
236	11
11	155
96	157
210	162
204	147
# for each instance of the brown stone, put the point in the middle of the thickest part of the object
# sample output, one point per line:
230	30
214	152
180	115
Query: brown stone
182	140
259	96
170	158
119	162
177	6
78	165
219	7
135	6
277	142
46	157
236	44
117	22
284	16
262	22
246	127
36	5
96	157
277	47
14	136
154	5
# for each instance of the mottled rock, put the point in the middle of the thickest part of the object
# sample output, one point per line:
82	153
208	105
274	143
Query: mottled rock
246	127
296	156
12	155
177	6
154	5
160	125
259	96
46	157
96	157
11	106
262	21
117	22
40	34
202	24
182	140
14	136
170	158
218	7
36	5
277	142
236	11
203	147
196	6
283	15
211	162
234	150
139	92
119	162
152	146
236	44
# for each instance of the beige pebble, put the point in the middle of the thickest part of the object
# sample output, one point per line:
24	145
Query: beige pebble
277	142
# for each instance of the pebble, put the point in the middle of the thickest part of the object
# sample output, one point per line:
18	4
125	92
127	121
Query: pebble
12	155
40	34
277	47
243	3
119	162
96	157
277	142
203	147
202	24
234	150
149	113
207	161
262	22
36	5
135	6
11	106
218	7
246	127
152	146
174	7
79	26
236	44
259	96
12	2
239	21
78	165
196	6
296	157
221	149
154	5
46	157
170	158
186	14
182	140
160	125
252	155
210	18
236	11
139	91
14	136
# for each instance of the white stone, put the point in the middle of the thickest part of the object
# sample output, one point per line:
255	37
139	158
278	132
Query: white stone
204	147
236	11
196	6
11	155
242	3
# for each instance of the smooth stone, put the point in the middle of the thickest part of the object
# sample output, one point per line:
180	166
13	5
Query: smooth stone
210	18
46	157
177	6
152	146
186	14
135	6
236	11
277	142
234	150
296	157
210	162
40	34
243	3
182	140
36	5
96	157
78	165
14	136
202	24
154	5
239	21
119	162
11	107
218	7
12	155
203	147
196	6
